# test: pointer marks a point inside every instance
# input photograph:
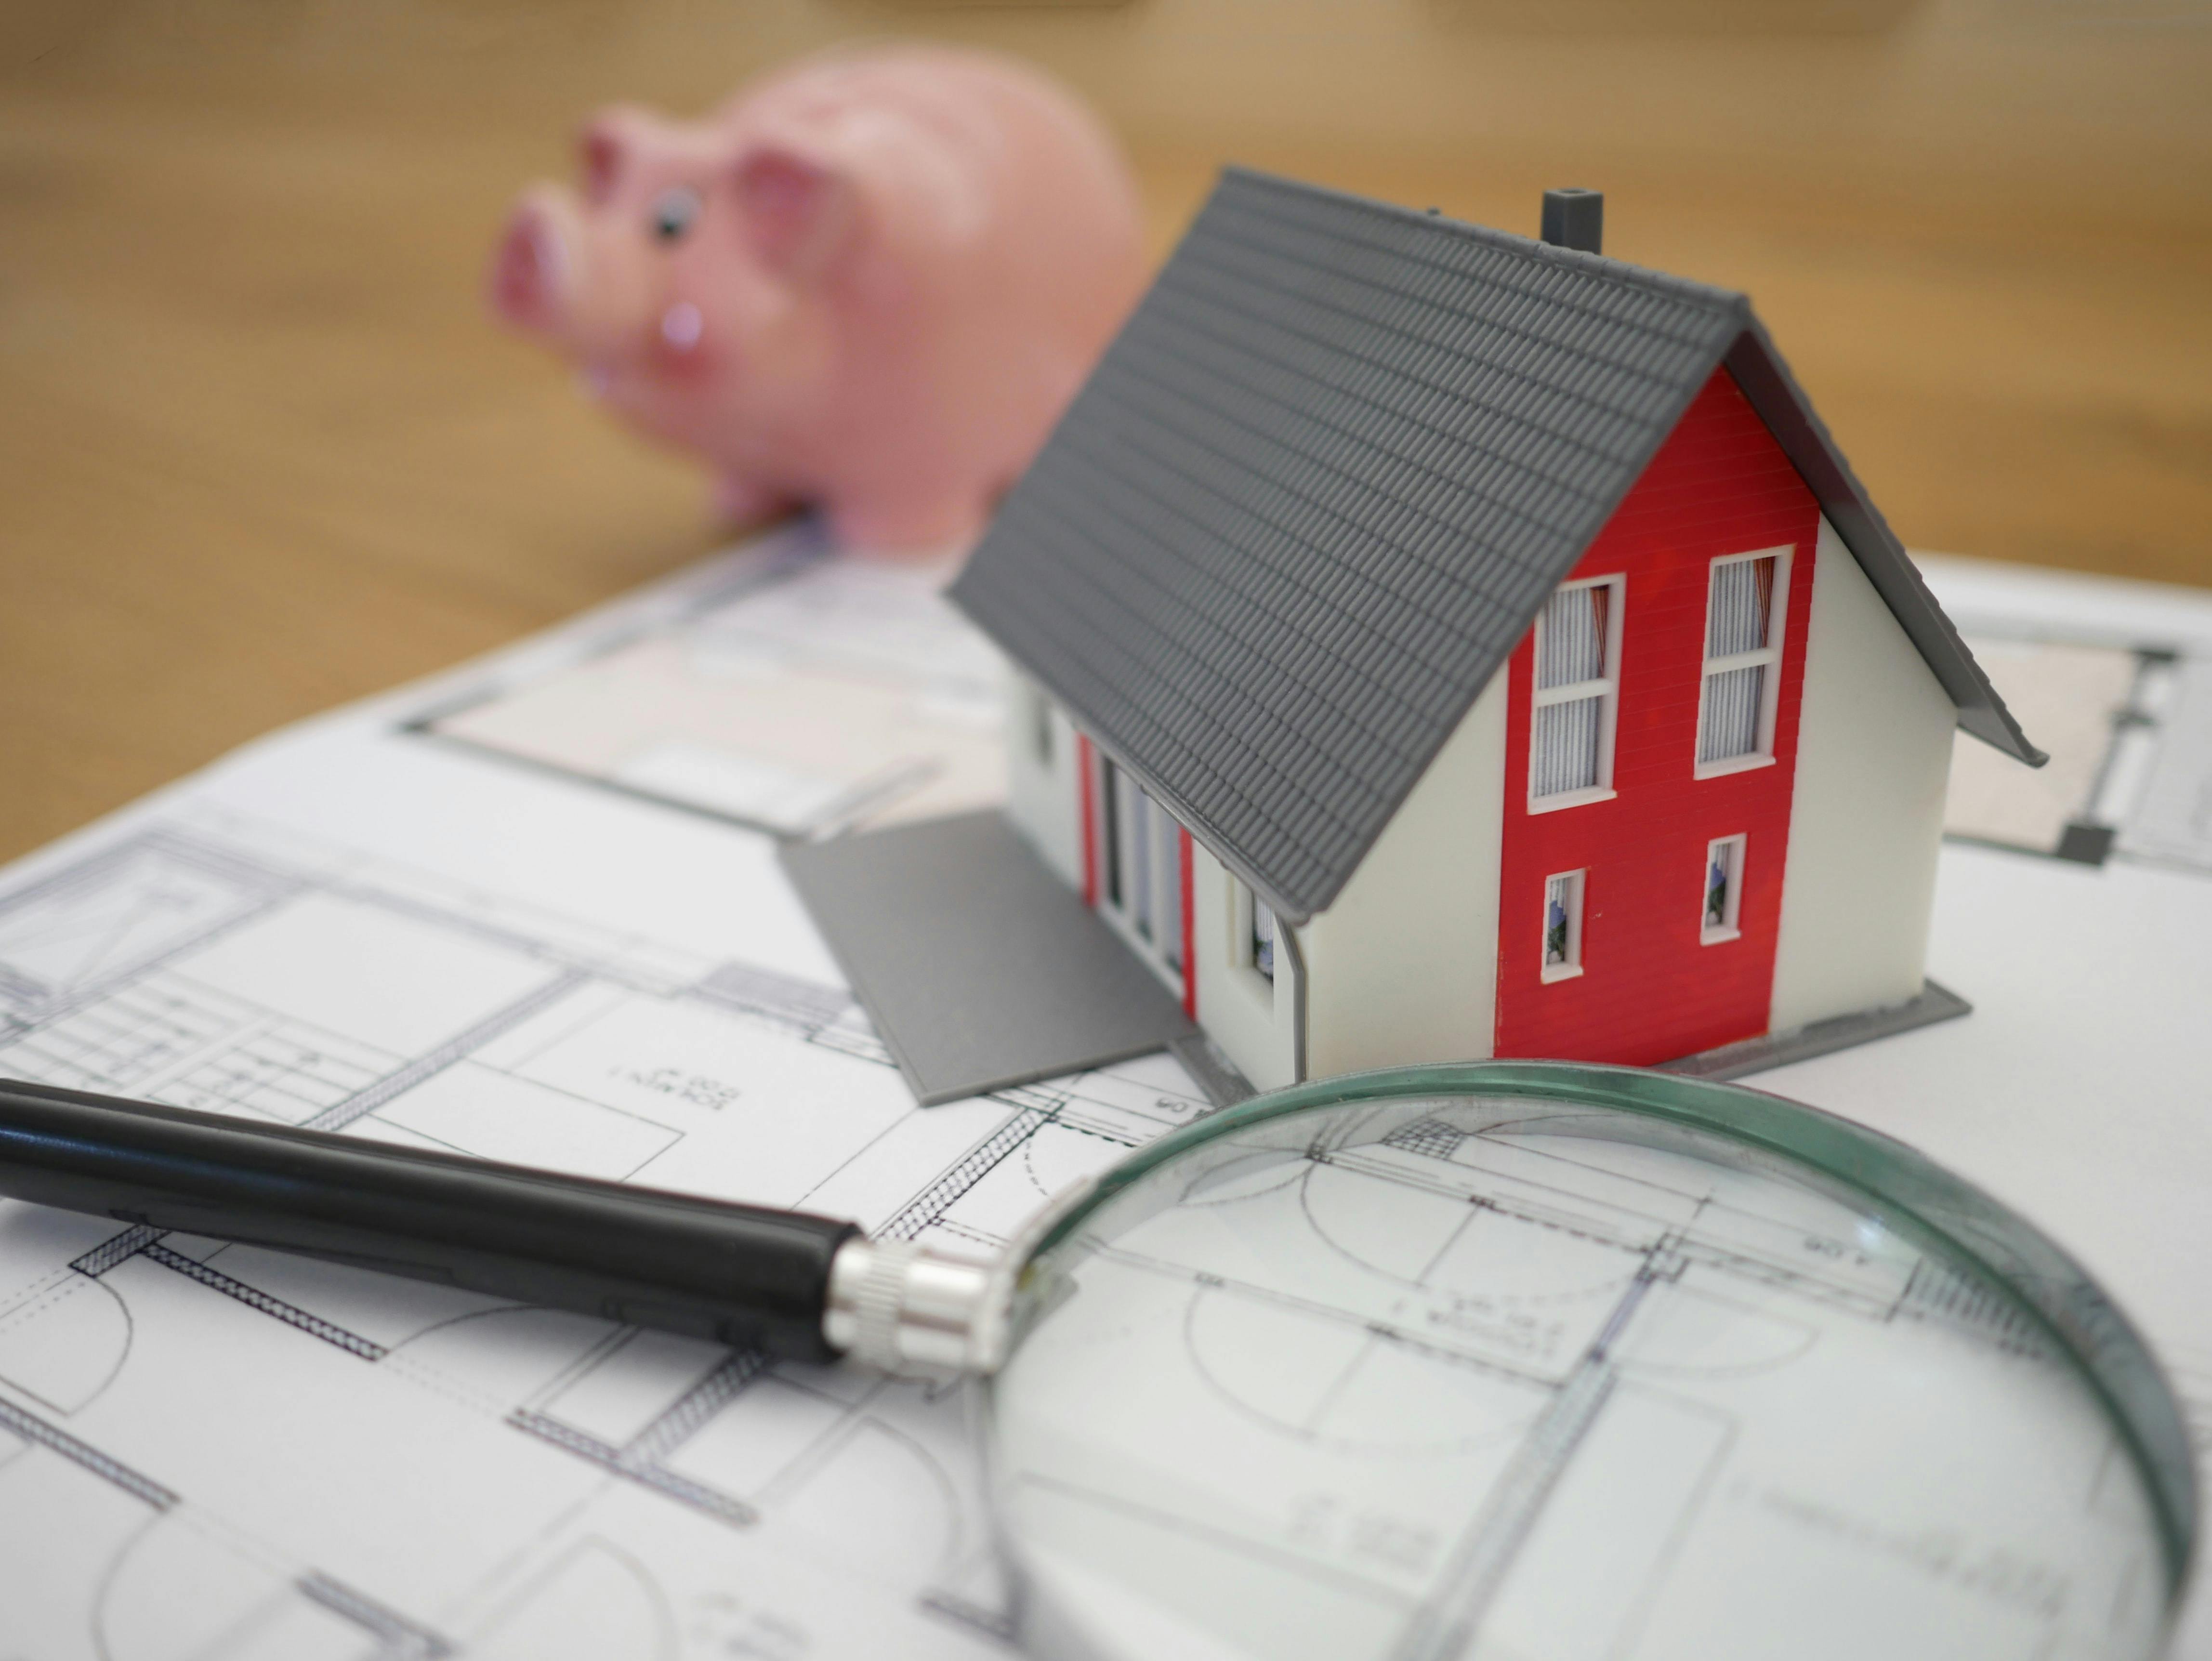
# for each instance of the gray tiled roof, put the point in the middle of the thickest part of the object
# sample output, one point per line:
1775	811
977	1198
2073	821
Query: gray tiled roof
1319	486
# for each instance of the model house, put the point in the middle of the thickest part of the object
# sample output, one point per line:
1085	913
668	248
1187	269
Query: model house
1433	643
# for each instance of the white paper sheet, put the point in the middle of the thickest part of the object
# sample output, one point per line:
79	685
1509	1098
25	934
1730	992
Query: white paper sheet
804	695
2080	1090
214	1452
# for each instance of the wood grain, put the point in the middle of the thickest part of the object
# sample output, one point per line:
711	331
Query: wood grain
261	452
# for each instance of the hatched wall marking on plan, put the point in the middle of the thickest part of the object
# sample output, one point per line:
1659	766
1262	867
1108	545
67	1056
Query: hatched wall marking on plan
216	1280
33	1429
639	1460
402	1640
368	1101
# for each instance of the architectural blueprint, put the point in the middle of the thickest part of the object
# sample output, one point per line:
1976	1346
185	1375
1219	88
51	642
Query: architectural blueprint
2121	699
213	1452
371	923
800	695
1485	1371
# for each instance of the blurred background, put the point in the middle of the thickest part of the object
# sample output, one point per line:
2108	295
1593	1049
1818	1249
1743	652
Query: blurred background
261	451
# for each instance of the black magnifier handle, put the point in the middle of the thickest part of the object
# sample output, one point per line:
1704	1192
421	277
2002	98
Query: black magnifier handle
807	1287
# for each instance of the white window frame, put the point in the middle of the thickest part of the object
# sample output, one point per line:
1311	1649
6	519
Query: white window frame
1769	656
1578	882
1123	816
1729	928
1607	687
1246	909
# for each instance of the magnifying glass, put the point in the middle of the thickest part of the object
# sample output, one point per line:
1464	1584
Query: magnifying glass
1503	1361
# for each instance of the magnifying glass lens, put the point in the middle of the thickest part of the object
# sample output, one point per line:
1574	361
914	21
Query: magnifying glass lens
1490	1376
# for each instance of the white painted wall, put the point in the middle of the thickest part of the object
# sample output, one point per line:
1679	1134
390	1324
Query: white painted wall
1251	1019
1404	966
1044	799
1866	820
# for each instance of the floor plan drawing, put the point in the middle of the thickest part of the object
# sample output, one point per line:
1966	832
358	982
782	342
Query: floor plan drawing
803	695
582	958
2124	730
210	1452
1515	1389
2116	682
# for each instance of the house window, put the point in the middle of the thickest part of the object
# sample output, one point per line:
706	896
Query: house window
1562	926
1040	726
1253	939
1143	847
1747	596
1576	694
1113	819
1723	890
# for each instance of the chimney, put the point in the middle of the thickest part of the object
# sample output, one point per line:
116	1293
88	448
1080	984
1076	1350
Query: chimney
1575	219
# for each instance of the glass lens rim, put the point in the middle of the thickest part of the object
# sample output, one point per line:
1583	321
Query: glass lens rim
2017	1259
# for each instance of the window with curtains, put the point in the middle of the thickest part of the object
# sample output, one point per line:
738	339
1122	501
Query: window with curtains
1745	603
1576	694
1562	957
1723	890
1142	844
1253	941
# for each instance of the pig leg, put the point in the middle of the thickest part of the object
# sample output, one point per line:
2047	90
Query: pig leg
742	501
909	523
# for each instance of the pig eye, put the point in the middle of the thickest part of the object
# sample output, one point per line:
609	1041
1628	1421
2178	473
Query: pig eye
674	212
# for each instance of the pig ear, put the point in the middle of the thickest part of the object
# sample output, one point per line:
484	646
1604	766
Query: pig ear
797	211
605	148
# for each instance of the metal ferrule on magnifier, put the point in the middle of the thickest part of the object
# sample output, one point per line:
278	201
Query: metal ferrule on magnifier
897	1305
900	1307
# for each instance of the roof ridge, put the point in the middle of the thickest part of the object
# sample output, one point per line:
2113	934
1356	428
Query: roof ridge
1532	248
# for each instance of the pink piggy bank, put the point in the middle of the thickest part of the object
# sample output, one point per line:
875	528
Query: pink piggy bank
870	282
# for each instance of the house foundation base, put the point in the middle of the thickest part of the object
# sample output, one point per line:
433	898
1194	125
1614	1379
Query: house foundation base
1733	1060
1224	1085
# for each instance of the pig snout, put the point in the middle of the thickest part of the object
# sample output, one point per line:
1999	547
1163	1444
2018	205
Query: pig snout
532	280
562	273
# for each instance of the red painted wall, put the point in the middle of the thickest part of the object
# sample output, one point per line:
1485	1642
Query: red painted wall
1649	990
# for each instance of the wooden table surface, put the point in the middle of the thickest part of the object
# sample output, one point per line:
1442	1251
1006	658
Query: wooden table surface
261	452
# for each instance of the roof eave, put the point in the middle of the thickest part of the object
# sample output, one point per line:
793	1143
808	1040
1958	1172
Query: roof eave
1773	391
